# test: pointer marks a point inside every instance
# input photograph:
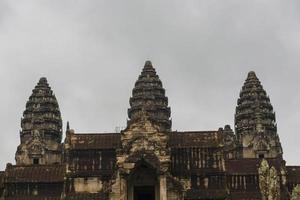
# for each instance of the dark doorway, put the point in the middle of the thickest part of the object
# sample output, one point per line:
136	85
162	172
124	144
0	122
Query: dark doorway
35	161
261	156
144	193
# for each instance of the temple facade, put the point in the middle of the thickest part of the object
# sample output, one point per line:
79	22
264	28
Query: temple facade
147	160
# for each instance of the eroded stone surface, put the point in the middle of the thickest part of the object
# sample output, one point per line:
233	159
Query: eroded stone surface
143	144
41	125
296	193
174	165
269	182
255	121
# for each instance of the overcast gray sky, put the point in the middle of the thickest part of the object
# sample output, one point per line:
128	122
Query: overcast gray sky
93	51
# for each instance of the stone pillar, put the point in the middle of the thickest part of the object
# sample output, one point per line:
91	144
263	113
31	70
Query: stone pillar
162	187
119	189
123	189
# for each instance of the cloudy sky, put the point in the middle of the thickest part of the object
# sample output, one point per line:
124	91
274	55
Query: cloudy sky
93	51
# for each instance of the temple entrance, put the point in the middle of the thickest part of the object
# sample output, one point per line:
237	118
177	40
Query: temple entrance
144	193
143	183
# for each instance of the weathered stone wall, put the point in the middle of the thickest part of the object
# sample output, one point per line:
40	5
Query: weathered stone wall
88	184
41	125
44	158
142	145
269	182
296	193
261	144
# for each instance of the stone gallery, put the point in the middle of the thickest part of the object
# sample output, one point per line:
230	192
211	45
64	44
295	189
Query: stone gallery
147	160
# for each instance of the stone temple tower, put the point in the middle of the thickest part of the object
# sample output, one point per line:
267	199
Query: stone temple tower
255	122
144	157
41	125
148	97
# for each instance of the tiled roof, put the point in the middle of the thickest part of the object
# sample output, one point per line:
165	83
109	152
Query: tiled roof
195	139
248	165
95	141
206	194
82	141
32	198
246	195
35	173
293	174
87	196
1	179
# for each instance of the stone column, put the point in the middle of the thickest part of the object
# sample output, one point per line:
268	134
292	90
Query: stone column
119	189
162	187
123	189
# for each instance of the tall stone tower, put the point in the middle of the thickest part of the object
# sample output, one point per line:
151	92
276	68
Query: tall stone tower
41	125
148	97
255	122
144	157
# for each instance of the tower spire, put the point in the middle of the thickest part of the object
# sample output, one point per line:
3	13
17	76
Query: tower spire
148	96
68	126
255	121
41	126
254	110
148	66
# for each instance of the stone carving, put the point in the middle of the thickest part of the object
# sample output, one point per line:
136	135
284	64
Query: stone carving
186	184
255	121
41	128
283	175
144	141
119	166
148	96
296	193
269	183
229	137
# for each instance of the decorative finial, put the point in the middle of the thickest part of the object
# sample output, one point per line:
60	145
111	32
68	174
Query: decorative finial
148	63
43	80
252	74
227	128
68	126
148	66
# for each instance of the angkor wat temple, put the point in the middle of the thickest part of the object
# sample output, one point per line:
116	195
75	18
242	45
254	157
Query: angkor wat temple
147	160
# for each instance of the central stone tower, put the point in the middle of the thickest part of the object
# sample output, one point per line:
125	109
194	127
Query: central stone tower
143	159
148	96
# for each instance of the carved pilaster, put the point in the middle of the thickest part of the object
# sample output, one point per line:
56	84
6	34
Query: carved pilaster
119	188
163	187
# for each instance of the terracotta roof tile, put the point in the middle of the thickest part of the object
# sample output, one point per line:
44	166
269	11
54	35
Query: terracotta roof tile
195	139
249	165
246	195
36	173
32	198
177	139
206	194
95	141
87	196
293	174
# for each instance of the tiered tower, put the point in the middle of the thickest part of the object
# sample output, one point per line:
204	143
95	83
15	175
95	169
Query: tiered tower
255	122
41	125
143	158
148	97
